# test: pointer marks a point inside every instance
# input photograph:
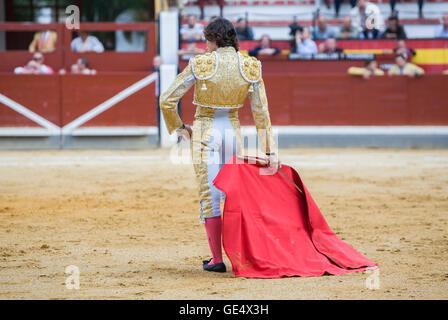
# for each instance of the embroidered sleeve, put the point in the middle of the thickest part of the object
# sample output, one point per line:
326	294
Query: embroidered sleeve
170	98
260	112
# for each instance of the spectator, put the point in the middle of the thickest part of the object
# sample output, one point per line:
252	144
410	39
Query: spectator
401	67
44	42
337	5
370	69
80	67
87	43
441	30
32	67
243	31
394	29
192	31
404	50
83	66
330	47
420	7
156	63
265	48
347	31
35	66
322	31
303	44
367	19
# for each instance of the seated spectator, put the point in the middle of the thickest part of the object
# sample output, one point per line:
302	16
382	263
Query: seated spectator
80	67
445	72
265	48
44	42
35	66
192	31
367	19
370	69
347	31
191	50
32	67
243	31
394	29
303	44
404	50
441	30
401	67
330	47
322	31
86	43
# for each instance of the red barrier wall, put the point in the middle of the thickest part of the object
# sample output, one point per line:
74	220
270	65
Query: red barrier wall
294	99
40	94
136	110
61	99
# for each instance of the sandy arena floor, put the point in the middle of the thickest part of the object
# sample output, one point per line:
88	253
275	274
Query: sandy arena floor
128	221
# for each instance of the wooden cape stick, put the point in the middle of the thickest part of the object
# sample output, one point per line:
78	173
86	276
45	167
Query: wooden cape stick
265	161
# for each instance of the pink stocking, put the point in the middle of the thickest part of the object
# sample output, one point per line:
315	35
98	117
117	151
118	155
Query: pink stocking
213	228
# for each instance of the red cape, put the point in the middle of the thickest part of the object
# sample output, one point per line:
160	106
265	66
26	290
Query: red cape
271	230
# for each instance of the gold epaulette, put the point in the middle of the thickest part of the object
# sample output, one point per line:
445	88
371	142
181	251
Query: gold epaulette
250	68
204	66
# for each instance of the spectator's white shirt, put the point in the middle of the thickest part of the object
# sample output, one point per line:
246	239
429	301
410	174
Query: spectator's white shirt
192	32
371	11
19	70
307	47
44	69
91	44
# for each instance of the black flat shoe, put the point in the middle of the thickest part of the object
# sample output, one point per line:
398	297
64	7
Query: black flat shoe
206	261
218	267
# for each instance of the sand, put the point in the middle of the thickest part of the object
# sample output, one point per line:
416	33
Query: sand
128	220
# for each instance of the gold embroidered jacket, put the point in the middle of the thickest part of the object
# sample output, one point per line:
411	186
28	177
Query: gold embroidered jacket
222	79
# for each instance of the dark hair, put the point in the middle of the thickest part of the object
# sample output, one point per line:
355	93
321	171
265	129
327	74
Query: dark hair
222	32
85	62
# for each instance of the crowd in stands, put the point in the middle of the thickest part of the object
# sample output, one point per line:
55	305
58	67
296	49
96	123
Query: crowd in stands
401	67
365	21
45	42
